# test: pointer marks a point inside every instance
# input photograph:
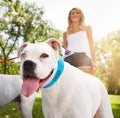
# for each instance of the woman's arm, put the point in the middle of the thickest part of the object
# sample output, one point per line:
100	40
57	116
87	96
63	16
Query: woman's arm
92	48
65	40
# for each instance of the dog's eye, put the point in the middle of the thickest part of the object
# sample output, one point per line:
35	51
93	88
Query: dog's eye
23	55
43	55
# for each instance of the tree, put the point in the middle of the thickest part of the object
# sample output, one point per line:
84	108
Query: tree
108	55
21	23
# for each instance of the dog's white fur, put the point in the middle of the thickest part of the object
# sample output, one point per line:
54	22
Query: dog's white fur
10	91
75	95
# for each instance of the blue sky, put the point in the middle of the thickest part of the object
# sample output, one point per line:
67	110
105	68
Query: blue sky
102	15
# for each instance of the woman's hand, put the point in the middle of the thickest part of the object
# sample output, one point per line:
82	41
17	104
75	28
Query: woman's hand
94	66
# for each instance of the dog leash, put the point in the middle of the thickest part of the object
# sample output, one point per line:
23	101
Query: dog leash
58	73
2	61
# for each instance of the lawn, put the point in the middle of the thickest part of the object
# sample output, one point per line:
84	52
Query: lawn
10	111
115	102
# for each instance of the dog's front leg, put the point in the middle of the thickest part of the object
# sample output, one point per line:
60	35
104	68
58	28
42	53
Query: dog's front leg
26	105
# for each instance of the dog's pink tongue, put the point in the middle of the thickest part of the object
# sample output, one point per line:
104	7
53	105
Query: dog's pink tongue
30	86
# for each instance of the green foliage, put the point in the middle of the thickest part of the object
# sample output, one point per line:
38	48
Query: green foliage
108	55
12	68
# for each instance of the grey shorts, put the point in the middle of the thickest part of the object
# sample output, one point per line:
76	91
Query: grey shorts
79	60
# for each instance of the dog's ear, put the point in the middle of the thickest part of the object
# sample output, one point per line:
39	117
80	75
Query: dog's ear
56	45
21	48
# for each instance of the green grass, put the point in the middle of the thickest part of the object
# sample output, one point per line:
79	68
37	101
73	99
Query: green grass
11	111
115	102
115	99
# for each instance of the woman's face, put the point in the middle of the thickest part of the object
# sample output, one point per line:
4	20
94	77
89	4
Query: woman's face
75	15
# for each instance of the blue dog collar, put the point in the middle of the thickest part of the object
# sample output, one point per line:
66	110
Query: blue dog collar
57	74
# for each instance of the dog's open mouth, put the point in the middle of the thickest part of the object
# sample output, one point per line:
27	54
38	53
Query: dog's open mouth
31	85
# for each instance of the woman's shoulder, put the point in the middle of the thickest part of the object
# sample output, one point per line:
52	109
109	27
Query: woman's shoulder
88	28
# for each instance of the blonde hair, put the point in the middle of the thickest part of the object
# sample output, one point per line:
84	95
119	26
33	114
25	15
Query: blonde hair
81	21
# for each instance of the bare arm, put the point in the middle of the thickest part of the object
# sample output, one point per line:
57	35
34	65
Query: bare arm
91	43
65	40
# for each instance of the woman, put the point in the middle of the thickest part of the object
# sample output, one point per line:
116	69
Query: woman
78	40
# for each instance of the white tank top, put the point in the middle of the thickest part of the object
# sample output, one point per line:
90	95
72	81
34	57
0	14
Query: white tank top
78	42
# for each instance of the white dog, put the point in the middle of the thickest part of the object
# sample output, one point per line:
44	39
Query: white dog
10	91
67	92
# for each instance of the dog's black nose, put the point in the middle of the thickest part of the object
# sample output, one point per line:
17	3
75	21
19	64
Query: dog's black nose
29	65
28	68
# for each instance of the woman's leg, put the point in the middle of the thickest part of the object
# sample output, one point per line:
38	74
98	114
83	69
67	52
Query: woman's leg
96	116
87	70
